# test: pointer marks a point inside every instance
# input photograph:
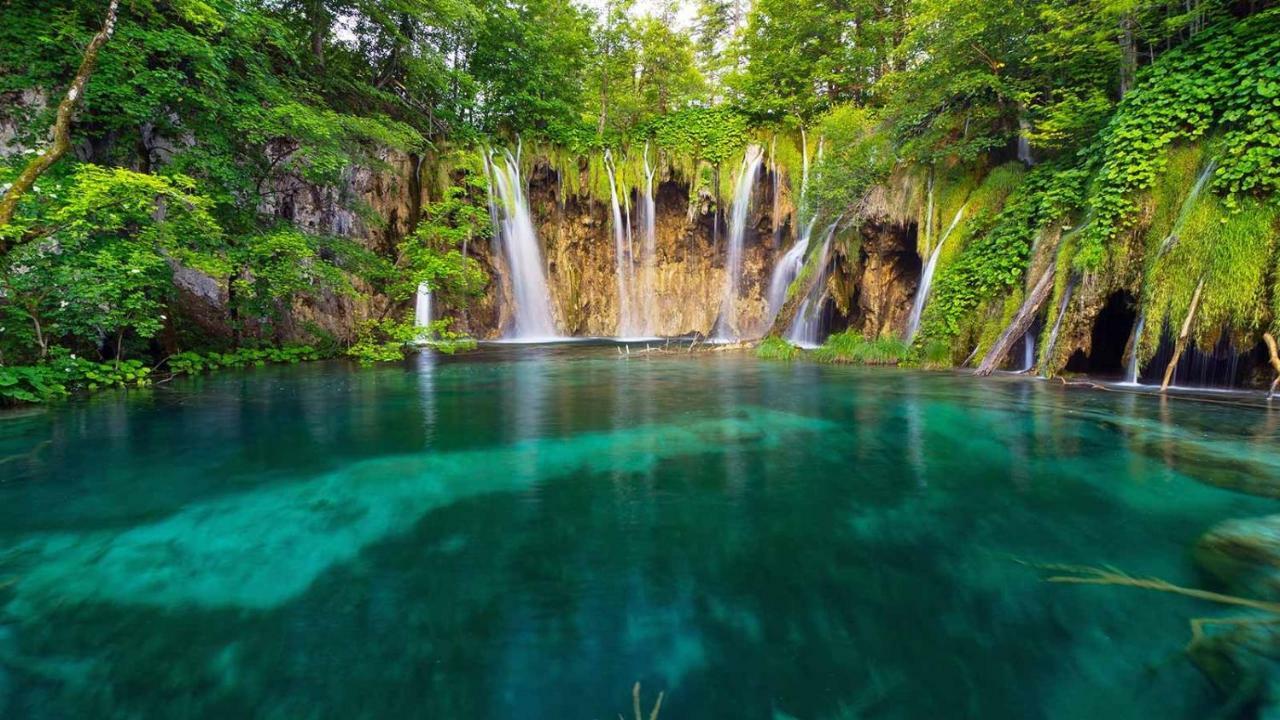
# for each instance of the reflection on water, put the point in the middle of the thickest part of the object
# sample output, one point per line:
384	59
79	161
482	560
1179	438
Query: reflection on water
527	531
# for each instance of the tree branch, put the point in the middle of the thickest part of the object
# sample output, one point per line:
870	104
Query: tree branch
62	126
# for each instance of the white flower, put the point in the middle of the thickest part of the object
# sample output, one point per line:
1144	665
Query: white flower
73	356
63	304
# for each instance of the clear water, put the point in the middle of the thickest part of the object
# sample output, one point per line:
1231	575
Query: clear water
527	531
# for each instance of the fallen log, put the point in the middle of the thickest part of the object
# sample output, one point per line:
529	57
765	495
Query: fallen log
1180	345
1275	362
1020	323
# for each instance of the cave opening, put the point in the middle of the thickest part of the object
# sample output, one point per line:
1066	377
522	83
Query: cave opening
1109	337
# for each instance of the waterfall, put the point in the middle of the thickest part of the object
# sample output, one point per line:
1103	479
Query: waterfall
623	266
786	270
1132	368
522	250
727	327
649	251
1057	321
806	327
926	279
1028	350
422	307
1024	144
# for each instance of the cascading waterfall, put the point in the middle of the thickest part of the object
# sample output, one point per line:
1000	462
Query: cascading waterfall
786	271
623	265
727	327
806	327
522	250
649	251
926	279
1029	351
1057	321
1132	367
422	307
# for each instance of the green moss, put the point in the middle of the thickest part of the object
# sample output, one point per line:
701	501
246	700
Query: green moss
1220	79
1233	252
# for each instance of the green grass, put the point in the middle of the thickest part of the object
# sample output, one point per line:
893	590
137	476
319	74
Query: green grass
851	347
775	348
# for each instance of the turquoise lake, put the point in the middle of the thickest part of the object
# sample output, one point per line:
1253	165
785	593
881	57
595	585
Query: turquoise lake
526	531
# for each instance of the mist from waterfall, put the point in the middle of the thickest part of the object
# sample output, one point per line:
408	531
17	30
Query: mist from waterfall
513	228
926	279
624	266
1132	366
806	326
727	326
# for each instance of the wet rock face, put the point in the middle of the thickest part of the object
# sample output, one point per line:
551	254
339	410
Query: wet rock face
886	284
1244	554
689	275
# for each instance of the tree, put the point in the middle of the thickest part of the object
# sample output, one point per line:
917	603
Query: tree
62	126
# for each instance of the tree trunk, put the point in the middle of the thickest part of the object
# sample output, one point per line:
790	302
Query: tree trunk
319	30
1128	54
1020	323
1180	346
1275	362
62	126
40	339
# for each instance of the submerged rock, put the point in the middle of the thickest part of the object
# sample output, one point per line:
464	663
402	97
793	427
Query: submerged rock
1240	654
1245	555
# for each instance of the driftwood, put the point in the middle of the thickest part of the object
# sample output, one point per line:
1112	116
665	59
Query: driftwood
62	126
635	704
1275	362
1083	575
1180	346
1020	323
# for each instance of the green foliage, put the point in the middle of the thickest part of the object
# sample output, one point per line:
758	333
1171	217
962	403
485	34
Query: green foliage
94	256
851	347
379	341
713	134
1226	77
1002	233
437	252
440	336
66	374
192	363
858	157
775	348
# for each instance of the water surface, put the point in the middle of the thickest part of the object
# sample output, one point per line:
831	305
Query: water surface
526	531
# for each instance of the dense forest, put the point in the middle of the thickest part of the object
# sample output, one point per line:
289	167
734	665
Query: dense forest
1047	159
